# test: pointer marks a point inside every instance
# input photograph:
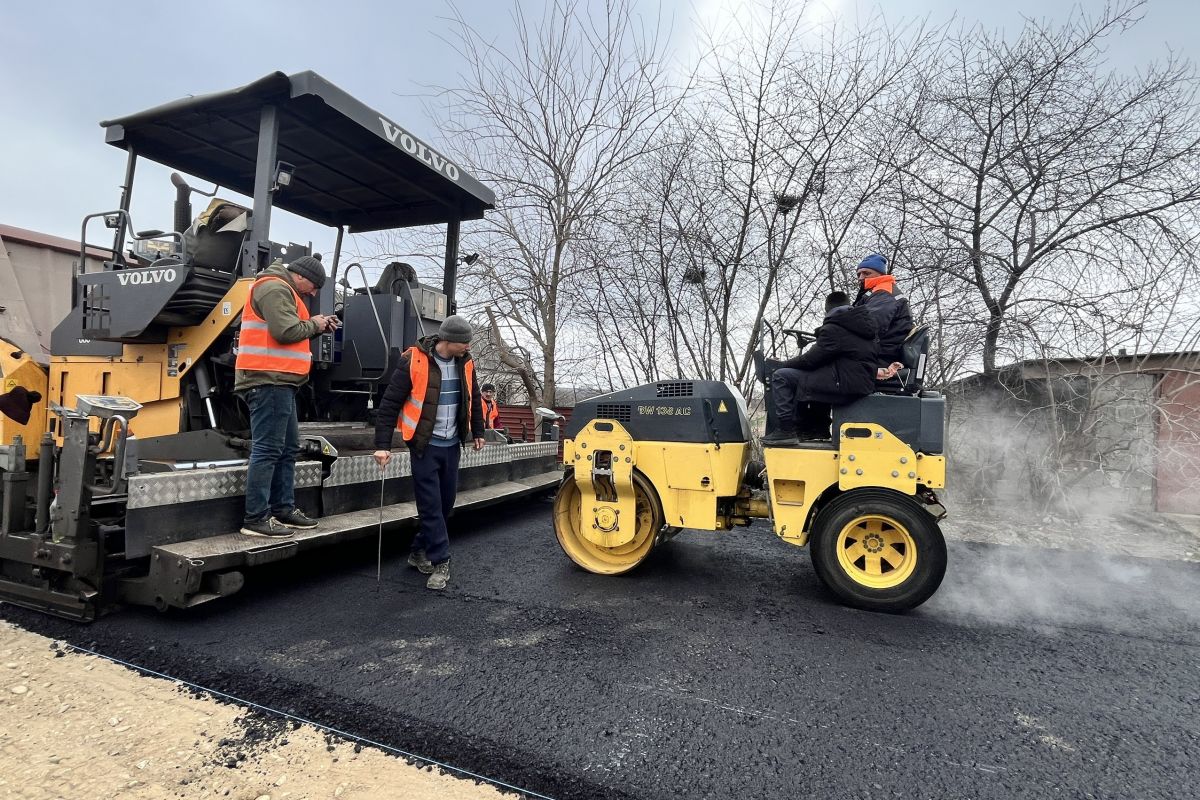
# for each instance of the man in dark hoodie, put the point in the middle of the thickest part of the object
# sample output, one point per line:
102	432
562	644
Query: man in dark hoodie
433	398
273	361
838	367
878	294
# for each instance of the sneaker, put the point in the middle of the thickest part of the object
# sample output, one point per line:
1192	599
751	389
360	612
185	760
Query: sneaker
266	527
417	559
296	519
440	576
780	439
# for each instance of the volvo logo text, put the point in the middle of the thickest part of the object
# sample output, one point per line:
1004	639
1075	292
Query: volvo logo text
411	144
134	277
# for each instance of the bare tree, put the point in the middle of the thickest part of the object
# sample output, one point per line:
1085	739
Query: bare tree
556	126
766	176
1055	193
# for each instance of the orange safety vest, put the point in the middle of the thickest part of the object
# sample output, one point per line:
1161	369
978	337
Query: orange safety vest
258	351
491	413
418	373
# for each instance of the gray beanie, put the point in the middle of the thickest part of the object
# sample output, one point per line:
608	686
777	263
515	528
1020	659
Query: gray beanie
309	267
455	329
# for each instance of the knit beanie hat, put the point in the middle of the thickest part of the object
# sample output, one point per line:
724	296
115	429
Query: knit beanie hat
17	404
309	267
875	262
455	329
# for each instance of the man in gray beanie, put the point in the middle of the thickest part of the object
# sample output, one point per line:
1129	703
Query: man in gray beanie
433	398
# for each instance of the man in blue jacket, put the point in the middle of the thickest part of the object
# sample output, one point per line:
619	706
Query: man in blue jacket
838	368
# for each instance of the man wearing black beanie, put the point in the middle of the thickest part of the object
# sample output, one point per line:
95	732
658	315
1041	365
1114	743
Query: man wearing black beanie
273	362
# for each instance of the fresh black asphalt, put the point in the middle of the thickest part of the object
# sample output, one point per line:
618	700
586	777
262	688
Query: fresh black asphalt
719	669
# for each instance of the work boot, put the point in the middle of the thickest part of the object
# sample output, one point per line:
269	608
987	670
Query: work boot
266	527
417	559
780	439
296	519
440	576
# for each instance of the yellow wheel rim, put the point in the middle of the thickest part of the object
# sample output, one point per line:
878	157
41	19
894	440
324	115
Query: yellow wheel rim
593	557
877	551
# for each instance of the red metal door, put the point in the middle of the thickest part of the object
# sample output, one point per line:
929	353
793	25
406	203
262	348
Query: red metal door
1177	472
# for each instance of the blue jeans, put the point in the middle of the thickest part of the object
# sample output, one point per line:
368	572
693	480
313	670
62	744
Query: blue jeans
435	484
271	477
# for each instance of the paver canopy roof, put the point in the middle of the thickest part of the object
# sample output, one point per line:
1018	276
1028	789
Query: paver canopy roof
354	166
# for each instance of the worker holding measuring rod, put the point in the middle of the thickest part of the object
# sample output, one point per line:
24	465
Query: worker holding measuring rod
433	398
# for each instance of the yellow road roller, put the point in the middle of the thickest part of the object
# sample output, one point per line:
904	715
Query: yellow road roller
644	463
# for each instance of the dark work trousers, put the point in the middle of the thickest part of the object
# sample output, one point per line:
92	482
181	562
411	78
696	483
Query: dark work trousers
435	483
271	475
795	411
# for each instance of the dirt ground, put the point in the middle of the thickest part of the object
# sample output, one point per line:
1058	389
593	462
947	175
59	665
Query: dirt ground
1175	537
74	726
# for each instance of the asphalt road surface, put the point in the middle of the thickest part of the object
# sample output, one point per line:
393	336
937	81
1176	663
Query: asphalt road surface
719	669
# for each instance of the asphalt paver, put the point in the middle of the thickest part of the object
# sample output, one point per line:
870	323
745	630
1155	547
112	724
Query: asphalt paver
720	668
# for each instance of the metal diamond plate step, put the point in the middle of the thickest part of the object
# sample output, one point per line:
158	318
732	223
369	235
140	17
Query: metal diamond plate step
237	549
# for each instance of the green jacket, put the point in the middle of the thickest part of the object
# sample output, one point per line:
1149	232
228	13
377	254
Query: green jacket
277	305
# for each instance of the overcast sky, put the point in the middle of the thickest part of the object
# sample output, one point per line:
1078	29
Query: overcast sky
64	66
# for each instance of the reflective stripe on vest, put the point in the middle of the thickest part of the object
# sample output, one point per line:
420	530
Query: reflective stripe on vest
259	352
418	373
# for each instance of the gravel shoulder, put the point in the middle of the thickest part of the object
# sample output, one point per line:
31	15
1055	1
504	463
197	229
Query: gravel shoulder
73	726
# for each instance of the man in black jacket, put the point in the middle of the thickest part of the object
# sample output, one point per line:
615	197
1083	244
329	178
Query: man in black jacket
878	294
838	368
435	398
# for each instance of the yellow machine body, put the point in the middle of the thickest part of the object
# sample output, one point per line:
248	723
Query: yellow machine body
150	374
870	456
688	479
18	369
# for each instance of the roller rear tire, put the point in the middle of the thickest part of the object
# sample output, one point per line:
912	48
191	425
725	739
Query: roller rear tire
878	550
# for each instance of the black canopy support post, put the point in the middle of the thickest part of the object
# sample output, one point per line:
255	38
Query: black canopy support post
451	275
126	200
264	181
337	255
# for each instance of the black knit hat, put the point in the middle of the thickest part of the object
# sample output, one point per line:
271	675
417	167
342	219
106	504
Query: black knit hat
488	387
309	267
18	403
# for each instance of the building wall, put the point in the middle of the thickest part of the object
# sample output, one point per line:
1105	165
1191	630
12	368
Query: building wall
1085	443
35	286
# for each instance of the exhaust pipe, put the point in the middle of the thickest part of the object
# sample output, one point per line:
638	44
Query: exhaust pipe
183	203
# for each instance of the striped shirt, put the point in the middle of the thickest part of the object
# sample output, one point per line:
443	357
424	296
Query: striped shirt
445	425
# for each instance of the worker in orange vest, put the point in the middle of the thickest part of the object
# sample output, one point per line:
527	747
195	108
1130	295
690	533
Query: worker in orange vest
491	409
273	362
434	400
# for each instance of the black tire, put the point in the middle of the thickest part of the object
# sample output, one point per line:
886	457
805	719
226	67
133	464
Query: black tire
878	550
